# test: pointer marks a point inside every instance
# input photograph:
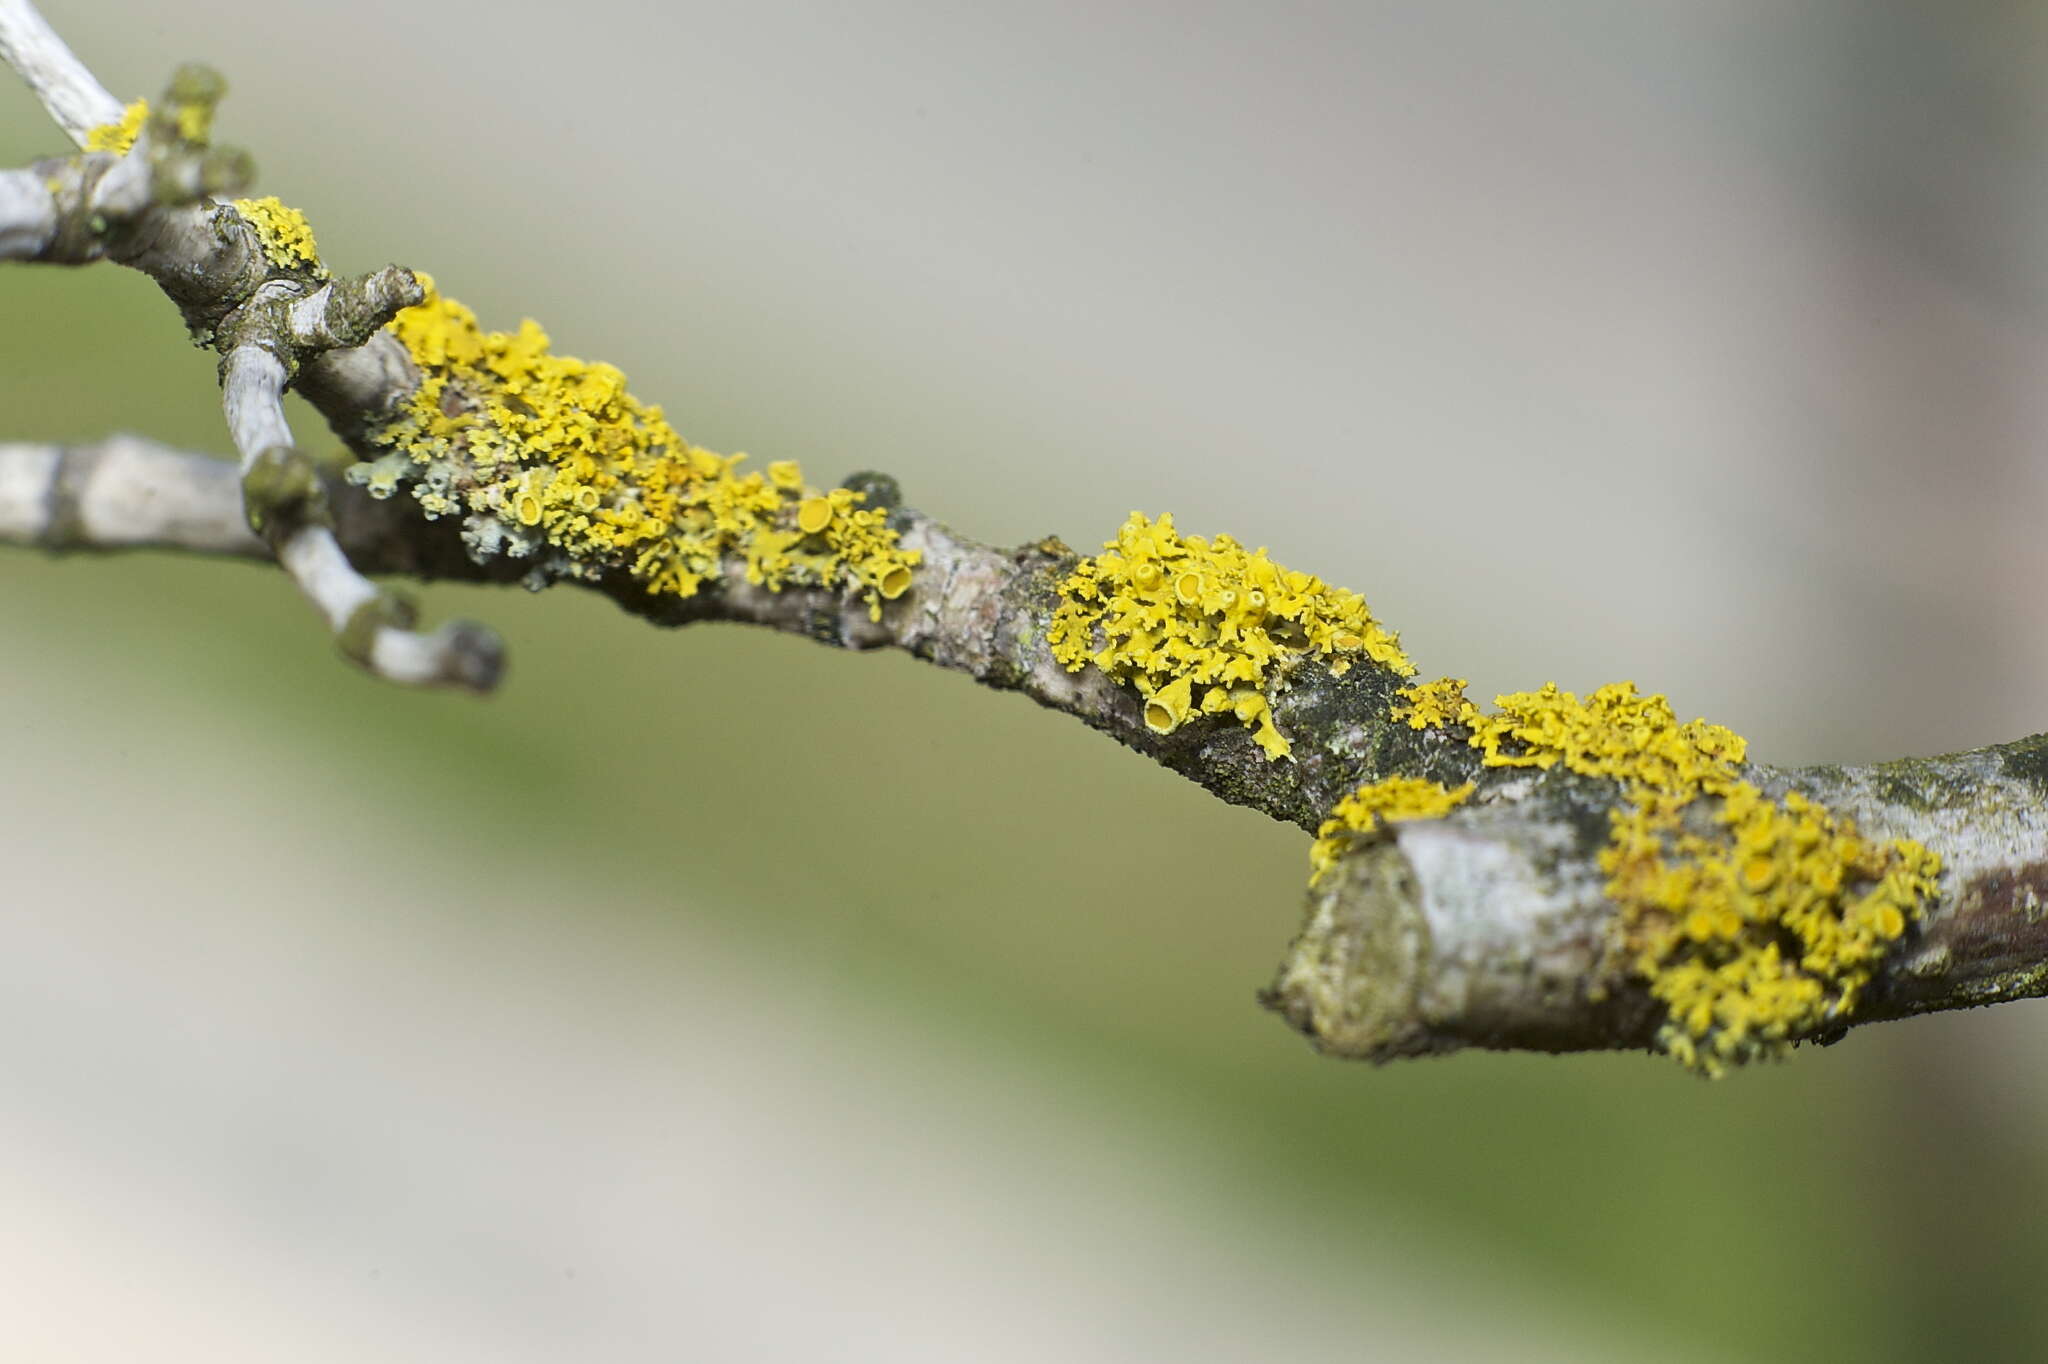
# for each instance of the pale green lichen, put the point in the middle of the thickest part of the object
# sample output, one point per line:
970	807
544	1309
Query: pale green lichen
286	236
1372	807
119	136
1759	924
1167	614
549	457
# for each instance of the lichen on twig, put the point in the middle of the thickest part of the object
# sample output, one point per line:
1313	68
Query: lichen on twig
1552	873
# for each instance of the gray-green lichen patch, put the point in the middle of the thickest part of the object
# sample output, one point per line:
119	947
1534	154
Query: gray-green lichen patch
388	609
281	491
2026	760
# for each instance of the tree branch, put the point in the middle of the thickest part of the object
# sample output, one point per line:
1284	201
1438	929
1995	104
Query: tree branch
77	101
287	505
1555	875
122	493
1492	927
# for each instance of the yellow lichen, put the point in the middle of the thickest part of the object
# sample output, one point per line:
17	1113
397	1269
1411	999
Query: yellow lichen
1766	928
1166	613
1612	733
1433	705
1375	805
286	236
813	514
1170	705
1761	921
119	136
195	120
549	456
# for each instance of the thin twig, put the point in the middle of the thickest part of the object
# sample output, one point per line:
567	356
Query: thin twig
285	496
77	101
122	493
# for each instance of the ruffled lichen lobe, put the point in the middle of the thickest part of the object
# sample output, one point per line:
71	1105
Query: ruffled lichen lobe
1373	806
1754	922
284	233
549	458
1204	627
1637	740
1433	705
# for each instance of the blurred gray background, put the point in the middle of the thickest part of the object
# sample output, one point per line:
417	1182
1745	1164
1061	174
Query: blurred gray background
712	996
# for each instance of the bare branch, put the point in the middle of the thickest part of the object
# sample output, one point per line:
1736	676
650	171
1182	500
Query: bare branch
122	493
77	101
345	314
28	215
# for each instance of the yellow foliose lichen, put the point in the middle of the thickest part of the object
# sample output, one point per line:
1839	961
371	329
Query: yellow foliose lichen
286	236
1768	928
1616	733
119	136
1758	923
1375	805
1168	614
1435	705
549	457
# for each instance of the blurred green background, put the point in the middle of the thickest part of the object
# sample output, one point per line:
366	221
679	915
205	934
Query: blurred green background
712	995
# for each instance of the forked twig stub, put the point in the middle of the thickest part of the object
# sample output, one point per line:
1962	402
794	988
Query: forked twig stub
250	284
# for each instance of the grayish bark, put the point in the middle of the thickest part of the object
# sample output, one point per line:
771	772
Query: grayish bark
1490	927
